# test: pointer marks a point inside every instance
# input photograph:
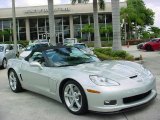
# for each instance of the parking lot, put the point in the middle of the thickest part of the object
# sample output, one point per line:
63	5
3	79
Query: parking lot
31	106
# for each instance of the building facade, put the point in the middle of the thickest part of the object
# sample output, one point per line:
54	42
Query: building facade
33	23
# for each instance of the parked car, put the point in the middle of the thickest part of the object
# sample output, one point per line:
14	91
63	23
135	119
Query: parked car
84	48
152	45
69	41
20	48
69	76
6	52
30	47
140	45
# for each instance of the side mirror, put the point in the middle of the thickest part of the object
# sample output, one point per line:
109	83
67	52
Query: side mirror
36	64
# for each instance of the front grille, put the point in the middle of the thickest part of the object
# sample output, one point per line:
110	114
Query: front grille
135	98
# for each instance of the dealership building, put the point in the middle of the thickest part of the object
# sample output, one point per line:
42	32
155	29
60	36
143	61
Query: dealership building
33	23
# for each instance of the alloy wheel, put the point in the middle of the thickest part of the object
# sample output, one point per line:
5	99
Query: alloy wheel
73	97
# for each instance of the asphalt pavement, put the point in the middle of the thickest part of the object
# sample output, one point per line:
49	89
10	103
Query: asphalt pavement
31	106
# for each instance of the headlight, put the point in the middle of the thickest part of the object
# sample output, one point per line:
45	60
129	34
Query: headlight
101	81
149	74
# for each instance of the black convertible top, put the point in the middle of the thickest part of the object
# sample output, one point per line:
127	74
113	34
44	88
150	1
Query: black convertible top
44	47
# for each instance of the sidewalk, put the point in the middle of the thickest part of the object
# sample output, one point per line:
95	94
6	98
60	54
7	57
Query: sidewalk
136	53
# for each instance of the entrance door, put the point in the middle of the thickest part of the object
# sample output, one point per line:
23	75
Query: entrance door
59	37
43	36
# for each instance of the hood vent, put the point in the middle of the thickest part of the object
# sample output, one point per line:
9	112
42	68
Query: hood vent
133	76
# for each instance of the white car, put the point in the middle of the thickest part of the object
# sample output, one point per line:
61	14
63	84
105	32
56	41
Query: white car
6	52
69	76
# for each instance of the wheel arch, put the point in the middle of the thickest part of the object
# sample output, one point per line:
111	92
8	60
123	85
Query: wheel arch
62	85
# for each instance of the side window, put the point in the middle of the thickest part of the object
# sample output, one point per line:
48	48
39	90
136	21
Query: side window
21	46
10	47
38	57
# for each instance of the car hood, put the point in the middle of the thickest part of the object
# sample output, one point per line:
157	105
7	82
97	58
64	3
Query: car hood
111	69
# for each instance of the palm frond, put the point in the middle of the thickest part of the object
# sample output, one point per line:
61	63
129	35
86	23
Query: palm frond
101	4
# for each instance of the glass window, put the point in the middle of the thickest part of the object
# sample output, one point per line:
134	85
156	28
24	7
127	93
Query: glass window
101	18
66	33
21	23
6	37
6	24
41	22
84	19
0	25
66	27
33	22
91	19
65	20
22	36
34	35
76	19
108	18
22	29
58	21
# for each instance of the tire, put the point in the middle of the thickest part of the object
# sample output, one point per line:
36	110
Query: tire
14	83
74	98
149	48
4	63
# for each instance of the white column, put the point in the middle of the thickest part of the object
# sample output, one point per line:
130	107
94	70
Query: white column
27	29
71	26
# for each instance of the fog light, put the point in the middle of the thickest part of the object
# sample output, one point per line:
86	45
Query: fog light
110	102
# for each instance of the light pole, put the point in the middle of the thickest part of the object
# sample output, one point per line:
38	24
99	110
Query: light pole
51	22
14	26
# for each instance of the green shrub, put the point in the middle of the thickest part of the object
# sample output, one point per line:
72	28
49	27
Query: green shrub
108	54
23	42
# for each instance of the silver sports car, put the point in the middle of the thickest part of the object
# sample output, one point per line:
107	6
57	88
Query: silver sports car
82	82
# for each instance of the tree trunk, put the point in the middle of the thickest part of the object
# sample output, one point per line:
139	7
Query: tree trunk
97	41
116	25
14	26
51	22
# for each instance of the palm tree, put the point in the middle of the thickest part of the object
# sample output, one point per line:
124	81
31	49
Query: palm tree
116	25
51	22
97	41
88	29
14	27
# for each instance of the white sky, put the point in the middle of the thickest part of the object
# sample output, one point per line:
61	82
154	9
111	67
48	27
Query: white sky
152	4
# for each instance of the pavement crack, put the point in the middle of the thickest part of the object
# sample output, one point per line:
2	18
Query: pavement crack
125	116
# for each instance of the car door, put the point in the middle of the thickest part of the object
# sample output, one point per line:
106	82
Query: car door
11	52
34	78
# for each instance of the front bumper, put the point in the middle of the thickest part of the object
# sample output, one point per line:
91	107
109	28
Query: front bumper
96	101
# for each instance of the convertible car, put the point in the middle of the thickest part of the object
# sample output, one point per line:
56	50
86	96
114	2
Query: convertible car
82	82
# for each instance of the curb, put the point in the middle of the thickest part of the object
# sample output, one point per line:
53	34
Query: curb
139	61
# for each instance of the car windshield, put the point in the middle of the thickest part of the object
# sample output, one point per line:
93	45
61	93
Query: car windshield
1	48
29	48
68	56
41	41
80	46
153	40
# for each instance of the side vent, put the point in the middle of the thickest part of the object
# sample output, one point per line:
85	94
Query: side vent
21	77
133	76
